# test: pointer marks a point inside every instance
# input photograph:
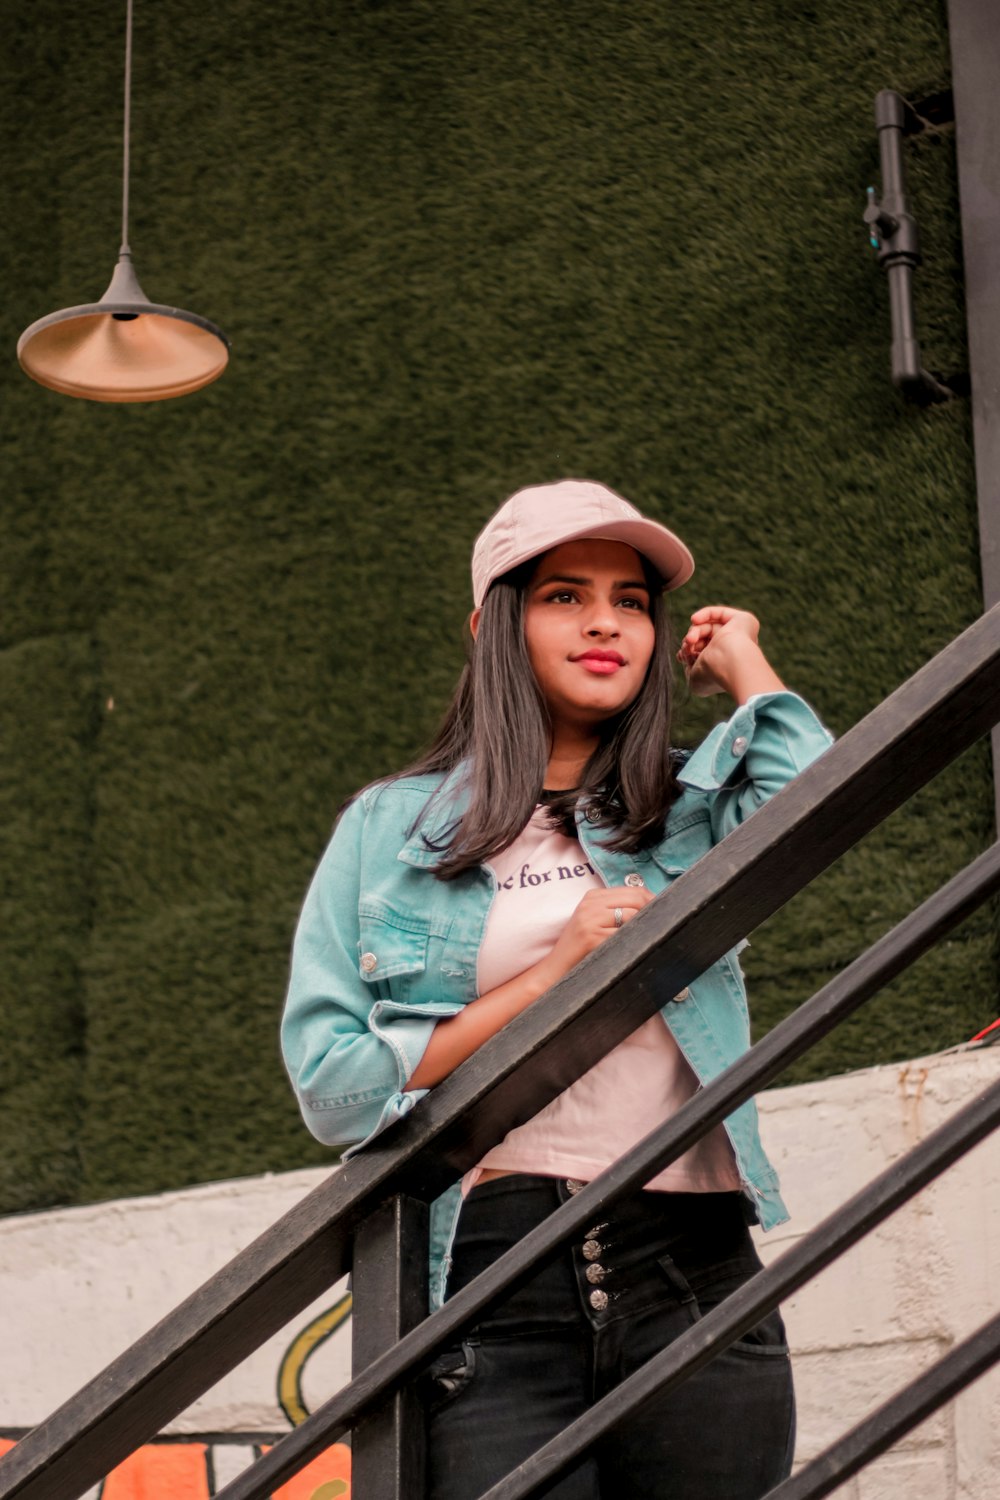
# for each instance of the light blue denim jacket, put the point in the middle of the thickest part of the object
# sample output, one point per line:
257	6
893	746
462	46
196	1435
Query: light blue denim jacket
384	950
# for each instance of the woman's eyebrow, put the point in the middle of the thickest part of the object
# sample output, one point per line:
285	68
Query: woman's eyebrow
563	578
625	583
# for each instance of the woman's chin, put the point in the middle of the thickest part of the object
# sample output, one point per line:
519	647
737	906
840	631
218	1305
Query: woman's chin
590	711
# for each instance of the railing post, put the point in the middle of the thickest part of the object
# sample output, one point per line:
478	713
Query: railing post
975	57
390	1298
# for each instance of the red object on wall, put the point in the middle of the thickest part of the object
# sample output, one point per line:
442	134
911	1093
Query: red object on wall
177	1470
180	1471
328	1477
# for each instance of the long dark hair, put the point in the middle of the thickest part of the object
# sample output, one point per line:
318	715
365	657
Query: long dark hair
498	725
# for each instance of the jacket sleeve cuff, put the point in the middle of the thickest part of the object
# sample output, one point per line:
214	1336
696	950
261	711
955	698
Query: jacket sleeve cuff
406	1034
395	1107
723	750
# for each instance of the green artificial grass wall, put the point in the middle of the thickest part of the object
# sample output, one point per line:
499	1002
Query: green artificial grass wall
458	247
47	729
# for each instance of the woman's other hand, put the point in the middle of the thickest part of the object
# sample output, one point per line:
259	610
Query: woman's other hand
457	1037
592	922
720	654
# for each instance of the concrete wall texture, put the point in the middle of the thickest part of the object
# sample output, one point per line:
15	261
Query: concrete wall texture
78	1285
899	1300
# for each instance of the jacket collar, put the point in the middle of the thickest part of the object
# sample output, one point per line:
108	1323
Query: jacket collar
443	809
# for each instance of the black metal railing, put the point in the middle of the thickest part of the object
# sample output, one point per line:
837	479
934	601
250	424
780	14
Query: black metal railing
374	1208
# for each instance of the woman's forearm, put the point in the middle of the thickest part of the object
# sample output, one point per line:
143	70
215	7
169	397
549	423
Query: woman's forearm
597	916
457	1037
741	668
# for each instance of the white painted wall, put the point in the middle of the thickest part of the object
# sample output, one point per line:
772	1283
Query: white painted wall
78	1285
902	1298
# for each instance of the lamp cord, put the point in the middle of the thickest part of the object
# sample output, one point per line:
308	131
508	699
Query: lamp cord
128	127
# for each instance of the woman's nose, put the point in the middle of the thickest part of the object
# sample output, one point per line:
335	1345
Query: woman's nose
602	622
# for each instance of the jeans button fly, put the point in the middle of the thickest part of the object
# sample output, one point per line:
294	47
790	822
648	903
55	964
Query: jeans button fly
591	1250
595	1273
598	1300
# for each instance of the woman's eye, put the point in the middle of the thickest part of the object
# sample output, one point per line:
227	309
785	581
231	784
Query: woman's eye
634	603
562	596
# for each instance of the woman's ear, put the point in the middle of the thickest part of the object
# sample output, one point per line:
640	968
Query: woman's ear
474	623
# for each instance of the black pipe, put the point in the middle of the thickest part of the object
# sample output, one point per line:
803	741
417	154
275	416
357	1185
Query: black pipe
892	230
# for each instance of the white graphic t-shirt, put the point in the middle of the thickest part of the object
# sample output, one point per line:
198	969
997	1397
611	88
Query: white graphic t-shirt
541	878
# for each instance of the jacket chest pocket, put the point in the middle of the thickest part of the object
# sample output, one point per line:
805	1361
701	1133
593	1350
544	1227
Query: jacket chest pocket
683	846
392	948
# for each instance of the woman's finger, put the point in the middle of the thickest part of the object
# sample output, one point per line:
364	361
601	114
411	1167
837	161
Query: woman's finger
627	913
716	614
628	900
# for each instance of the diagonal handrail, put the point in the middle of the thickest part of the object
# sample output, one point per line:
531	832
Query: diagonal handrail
899	746
745	1307
887	958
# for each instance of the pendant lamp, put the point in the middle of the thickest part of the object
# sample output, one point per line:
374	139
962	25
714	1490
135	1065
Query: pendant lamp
123	348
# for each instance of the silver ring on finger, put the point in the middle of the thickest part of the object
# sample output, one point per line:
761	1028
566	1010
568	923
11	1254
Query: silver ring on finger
619	916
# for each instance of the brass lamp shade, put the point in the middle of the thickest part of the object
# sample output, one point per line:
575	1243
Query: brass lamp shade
123	348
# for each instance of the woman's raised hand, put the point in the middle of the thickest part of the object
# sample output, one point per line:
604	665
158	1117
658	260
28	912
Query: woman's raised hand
720	654
591	923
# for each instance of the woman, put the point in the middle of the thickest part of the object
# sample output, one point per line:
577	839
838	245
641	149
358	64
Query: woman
548	812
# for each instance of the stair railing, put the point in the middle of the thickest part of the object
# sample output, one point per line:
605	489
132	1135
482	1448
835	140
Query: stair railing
374	1208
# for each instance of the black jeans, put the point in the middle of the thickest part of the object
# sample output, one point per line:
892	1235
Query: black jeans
585	1323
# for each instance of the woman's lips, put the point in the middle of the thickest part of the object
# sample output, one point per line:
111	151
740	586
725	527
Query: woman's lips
602	663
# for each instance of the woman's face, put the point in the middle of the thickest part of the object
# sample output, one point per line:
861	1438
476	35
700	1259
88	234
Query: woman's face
588	629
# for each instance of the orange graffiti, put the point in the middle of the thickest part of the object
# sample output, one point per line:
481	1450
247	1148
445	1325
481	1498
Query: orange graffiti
175	1469
159	1471
328	1477
180	1471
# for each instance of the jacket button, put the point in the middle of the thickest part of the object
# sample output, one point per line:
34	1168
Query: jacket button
683	994
593	814
634	878
598	1300
740	744
369	962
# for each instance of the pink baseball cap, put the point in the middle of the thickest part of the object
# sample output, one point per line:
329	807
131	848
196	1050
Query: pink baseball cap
543	516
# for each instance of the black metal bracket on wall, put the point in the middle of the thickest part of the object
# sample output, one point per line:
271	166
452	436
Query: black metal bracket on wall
892	230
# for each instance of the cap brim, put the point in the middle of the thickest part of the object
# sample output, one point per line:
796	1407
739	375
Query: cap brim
665	551
661	547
